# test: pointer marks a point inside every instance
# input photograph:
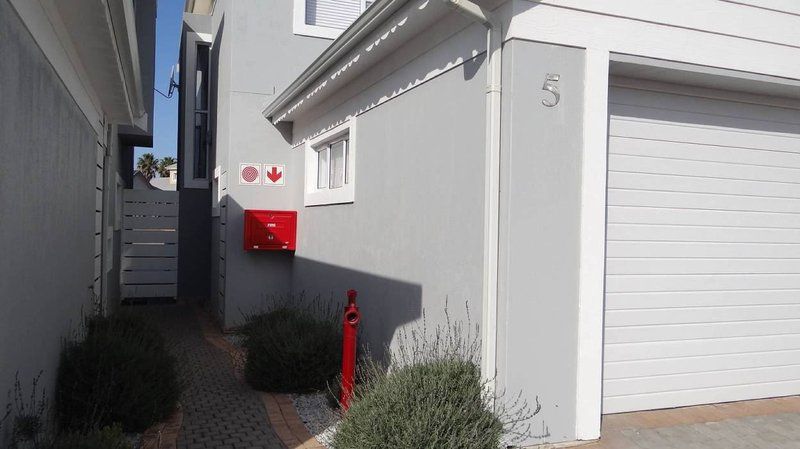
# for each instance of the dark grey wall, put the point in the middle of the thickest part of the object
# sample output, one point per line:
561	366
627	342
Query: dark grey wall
47	198
413	238
194	244
540	230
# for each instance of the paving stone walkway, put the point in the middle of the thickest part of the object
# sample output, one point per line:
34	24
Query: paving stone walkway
219	411
760	424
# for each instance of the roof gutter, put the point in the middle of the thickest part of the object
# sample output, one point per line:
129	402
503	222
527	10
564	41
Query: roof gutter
491	229
365	24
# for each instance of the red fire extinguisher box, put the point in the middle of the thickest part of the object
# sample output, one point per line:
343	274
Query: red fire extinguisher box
270	230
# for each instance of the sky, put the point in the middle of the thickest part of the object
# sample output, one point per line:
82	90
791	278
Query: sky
165	116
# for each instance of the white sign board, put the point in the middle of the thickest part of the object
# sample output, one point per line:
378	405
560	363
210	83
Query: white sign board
274	175
250	174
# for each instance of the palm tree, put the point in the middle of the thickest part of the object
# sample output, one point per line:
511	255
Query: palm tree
165	162
147	165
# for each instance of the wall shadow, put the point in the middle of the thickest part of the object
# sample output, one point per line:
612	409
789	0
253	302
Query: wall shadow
386	304
255	278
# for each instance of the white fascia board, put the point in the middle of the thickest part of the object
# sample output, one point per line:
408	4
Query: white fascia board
45	25
382	43
121	18
132	51
346	41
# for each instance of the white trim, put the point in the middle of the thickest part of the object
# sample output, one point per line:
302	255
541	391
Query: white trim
585	29
118	200
131	62
346	194
216	193
108	253
592	243
300	27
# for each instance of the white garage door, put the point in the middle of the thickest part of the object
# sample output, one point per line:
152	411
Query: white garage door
703	251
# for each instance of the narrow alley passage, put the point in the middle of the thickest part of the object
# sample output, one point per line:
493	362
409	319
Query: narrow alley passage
219	411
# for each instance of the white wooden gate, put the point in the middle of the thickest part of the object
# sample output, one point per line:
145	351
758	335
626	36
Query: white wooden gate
149	244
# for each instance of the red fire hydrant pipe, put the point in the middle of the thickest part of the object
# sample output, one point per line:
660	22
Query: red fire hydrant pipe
351	319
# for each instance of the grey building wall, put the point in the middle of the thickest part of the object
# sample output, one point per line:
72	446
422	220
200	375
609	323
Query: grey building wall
412	240
259	55
254	54
47	195
540	230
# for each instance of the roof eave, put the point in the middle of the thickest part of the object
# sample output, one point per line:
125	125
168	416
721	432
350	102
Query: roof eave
358	30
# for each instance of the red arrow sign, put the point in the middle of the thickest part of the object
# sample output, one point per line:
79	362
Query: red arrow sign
274	175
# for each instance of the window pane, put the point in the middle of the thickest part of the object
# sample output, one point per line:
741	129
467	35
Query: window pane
200	144
332	13
322	168
338	164
201	79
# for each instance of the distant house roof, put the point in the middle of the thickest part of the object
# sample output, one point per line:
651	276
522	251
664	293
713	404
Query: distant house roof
172	167
158	183
162	184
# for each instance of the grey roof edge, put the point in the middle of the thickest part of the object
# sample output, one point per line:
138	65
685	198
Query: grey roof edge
373	17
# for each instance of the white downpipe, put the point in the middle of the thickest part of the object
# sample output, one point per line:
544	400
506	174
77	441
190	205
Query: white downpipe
491	233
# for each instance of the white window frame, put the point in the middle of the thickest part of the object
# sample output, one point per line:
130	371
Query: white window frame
314	196
300	27
216	191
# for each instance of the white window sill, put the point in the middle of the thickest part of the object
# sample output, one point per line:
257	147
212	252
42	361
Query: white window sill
342	195
304	29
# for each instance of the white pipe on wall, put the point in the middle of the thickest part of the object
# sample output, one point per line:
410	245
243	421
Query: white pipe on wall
494	45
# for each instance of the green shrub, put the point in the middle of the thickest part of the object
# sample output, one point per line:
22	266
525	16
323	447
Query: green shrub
293	348
110	437
436	404
26	414
431	396
121	373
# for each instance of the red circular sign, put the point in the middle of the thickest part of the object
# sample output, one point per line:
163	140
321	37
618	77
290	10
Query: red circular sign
249	173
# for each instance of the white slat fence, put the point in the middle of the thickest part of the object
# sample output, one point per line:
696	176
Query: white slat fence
149	244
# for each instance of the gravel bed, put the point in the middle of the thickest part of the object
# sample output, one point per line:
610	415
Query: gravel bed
234	339
320	419
134	439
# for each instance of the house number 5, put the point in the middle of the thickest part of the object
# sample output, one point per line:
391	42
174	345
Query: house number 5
550	85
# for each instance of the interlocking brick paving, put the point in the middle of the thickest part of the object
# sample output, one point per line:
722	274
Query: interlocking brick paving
760	424
219	411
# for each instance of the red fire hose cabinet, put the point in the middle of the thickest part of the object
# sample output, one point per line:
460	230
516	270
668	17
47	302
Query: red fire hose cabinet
270	230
